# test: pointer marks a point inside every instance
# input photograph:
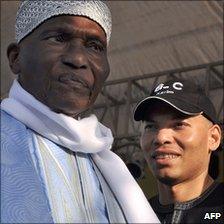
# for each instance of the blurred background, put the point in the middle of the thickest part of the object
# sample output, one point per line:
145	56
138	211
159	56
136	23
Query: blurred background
152	41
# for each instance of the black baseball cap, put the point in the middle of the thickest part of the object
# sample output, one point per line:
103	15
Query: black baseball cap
186	96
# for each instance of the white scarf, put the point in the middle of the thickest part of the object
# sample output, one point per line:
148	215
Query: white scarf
87	136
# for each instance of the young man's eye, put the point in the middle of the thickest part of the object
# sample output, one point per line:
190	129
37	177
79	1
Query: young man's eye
179	125
150	126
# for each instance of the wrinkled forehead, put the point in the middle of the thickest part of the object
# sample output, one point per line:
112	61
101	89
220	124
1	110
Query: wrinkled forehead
33	13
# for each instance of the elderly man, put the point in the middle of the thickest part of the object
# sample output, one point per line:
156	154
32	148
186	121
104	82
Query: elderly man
179	133
56	168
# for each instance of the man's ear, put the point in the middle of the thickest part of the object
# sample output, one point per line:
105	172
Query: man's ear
13	57
214	137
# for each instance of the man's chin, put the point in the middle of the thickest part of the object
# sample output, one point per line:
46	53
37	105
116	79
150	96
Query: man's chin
71	109
167	180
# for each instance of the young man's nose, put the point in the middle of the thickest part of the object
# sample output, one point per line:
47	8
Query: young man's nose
163	136
75	57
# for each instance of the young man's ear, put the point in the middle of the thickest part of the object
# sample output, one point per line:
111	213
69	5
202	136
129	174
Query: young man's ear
13	57
215	137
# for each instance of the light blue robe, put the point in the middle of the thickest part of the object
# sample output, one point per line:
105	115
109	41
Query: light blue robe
24	197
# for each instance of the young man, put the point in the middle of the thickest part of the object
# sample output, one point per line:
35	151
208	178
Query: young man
55	167
179	134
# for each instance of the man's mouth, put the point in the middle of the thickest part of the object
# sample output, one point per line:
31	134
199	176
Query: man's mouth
76	83
165	156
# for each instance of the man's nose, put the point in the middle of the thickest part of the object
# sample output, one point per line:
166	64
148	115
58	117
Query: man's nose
163	136
75	57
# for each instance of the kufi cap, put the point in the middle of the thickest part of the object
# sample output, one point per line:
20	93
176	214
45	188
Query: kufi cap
186	96
32	13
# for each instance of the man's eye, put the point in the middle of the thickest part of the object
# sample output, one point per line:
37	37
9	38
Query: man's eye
179	125
57	38
98	47
149	127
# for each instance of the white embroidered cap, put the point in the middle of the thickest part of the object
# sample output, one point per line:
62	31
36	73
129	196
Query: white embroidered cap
33	13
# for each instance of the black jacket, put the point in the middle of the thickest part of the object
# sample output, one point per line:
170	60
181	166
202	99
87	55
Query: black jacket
208	208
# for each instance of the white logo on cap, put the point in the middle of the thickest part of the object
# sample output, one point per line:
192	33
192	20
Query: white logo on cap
161	86
178	85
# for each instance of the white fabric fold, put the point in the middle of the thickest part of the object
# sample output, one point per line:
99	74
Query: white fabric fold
87	136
